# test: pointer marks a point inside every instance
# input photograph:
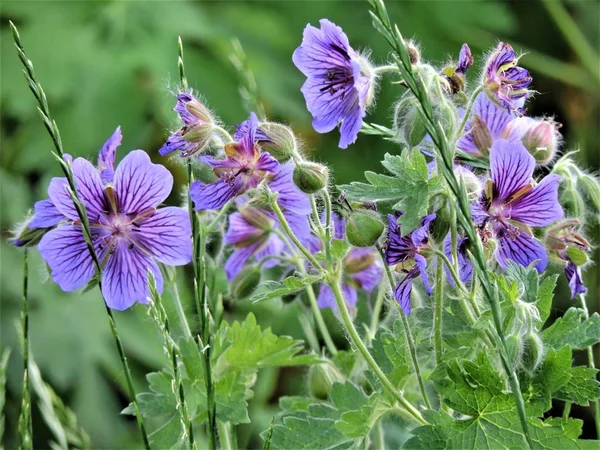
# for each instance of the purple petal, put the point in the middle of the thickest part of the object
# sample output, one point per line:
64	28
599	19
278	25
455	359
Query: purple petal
420	236
240	230
539	207
421	264
89	186
465	59
573	275
45	215
141	185
351	125
125	277
398	248
65	251
350	295
227	163
267	163
166	235
368	278
290	198
214	195
511	168
404	289
465	267
322	48
175	142
246	147
518	246
238	258
326	298
243	129
273	247
106	157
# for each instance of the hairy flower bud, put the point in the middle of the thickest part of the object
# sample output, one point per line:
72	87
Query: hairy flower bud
591	188
514	349
577	256
245	282
533	352
281	143
481	135
413	52
539	136
409	125
23	236
321	378
310	177
470	181
363	228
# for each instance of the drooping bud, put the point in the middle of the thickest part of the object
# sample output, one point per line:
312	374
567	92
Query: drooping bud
409	124
245	282
310	177
470	181
481	134
533	352
564	235
321	378
23	236
456	74
281	143
577	256
592	189
413	52
514	349
539	136
364	228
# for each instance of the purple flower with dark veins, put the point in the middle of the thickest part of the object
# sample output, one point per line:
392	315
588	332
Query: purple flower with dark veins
465	267
465	59
455	74
361	270
573	274
506	83
196	132
244	167
340	83
129	234
510	204
407	253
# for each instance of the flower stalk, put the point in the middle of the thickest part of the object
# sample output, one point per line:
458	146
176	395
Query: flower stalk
52	128
25	425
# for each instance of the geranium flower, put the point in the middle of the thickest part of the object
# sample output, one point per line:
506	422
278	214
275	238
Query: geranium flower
244	167
129	234
465	267
403	252
506	82
339	84
361	270
510	204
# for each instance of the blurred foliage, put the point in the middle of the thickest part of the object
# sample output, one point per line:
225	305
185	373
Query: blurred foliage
112	63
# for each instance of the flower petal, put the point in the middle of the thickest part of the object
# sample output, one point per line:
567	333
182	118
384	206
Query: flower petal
398	248
216	194
511	168
141	185
238	258
420	236
326	298
369	278
465	267
89	186
404	289
267	163
166	234
65	251
322	49
273	247
539	207
351	125
290	198
518	246
573	275
125	277
106	157
45	215
350	295
421	265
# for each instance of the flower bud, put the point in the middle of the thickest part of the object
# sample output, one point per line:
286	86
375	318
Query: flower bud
470	181
514	349
245	282
24	236
310	177
533	352
195	107
409	125
363	228
572	201
281	143
413	52
577	255
481	134
321	378
539	136
592	189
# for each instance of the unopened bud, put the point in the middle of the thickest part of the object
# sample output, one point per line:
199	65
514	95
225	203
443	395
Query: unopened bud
195	108
592	189
245	282
258	218
364	228
572	201
481	134
413	53
542	141
310	177
470	181
409	123
24	236
321	378
281	143
533	352
578	256
514	349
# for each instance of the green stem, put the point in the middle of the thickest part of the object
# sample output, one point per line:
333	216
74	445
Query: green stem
179	308
592	365
392	68
327	201
377	311
437	316
222	212
223	132
25	424
414	82
361	347
576	39
409	337
454	236
224	435
379	441
52	128
311	336
468	109
567	410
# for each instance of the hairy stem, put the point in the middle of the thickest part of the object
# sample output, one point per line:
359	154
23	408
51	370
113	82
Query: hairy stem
25	425
183	322
377	310
52	128
437	316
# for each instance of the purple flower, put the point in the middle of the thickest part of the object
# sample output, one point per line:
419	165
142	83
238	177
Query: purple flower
487	123
362	270
196	132
573	274
465	267
506	82
465	60
339	83
408	249
129	234
511	204
244	167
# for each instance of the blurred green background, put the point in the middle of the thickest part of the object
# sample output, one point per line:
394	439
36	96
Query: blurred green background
109	63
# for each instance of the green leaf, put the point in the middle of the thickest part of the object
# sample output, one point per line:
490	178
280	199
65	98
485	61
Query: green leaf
308	433
582	388
3	366
389	349
358	412
553	374
571	329
339	248
410	187
272	289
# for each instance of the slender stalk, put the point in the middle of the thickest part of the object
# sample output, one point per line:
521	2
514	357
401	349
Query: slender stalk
379	441
445	153
25	425
437	316
454	236
179	308
224	435
463	122
222	212
567	410
392	68
311	336
327	201
361	347
412	349
592	365
576	39
52	128
198	255
223	132
377	310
